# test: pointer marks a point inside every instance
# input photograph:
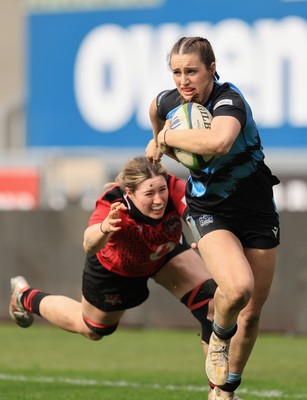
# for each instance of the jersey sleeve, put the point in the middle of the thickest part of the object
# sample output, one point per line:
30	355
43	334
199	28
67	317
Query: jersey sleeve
103	204
231	104
177	195
100	213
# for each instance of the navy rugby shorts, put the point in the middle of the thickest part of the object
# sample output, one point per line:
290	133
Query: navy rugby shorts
108	291
256	232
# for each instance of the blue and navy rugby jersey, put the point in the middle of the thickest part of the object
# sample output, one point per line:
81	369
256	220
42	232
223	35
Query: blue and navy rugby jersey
238	180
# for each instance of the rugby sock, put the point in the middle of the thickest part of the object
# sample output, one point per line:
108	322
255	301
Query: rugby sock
224	333
233	382
31	299
233	377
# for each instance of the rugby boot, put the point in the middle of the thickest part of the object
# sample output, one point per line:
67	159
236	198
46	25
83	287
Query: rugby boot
217	394
217	366
18	314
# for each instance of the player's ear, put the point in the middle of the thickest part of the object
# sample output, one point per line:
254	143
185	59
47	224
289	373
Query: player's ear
128	191
212	68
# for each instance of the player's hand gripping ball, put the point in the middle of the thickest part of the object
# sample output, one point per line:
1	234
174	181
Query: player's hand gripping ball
189	116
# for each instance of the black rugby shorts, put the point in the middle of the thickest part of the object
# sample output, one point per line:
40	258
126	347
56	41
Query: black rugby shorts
256	231
108	291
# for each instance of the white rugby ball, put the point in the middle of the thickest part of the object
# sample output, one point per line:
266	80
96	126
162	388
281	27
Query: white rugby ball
188	116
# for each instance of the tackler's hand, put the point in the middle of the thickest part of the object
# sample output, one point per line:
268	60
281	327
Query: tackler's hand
113	221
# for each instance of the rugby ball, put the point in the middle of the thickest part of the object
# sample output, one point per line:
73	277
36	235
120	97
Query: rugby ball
189	116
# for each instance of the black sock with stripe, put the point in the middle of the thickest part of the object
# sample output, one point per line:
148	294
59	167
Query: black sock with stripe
31	299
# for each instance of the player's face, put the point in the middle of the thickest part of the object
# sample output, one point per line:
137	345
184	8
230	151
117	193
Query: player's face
151	197
193	79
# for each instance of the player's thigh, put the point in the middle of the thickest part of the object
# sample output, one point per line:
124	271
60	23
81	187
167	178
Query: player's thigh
182	273
262	262
225	260
98	316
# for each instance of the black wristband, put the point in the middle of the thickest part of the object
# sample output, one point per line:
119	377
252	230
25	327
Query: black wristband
104	232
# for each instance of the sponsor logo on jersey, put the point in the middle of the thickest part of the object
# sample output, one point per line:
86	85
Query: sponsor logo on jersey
224	102
162	250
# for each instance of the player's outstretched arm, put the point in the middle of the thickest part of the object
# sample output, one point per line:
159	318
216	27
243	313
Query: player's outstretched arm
96	236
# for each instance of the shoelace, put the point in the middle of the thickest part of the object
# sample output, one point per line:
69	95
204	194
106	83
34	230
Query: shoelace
219	356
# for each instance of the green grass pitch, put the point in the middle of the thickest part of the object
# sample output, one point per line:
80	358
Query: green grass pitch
46	363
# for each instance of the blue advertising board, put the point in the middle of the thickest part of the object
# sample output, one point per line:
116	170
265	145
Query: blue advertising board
91	74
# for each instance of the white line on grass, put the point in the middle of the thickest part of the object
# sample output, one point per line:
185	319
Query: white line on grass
268	394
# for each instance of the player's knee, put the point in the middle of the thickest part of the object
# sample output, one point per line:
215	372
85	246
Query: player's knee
98	331
92	336
239	297
200	296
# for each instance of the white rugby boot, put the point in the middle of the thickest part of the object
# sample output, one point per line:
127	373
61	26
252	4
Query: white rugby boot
217	366
217	394
18	314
